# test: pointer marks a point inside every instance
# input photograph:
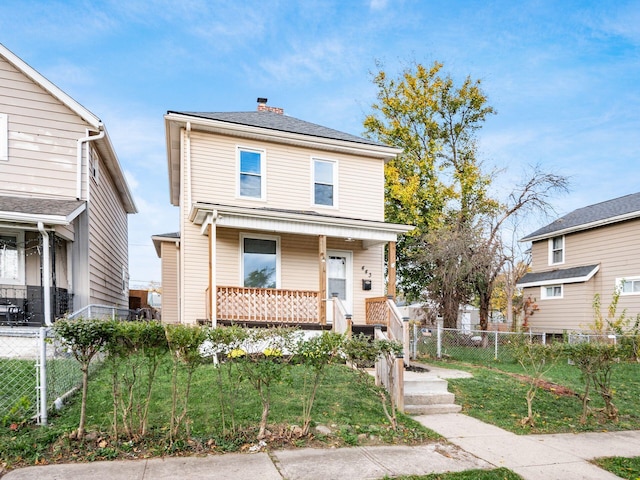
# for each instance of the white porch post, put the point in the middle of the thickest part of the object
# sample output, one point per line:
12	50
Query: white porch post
212	272
46	275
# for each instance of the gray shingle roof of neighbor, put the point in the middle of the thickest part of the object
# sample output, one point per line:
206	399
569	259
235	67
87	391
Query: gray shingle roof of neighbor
610	211
559	275
168	235
280	122
39	206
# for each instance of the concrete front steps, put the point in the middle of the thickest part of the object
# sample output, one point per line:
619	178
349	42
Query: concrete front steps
425	391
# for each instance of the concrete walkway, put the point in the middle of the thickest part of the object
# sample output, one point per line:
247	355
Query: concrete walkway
535	457
473	445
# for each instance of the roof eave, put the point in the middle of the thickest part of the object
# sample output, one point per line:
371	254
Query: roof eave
584	226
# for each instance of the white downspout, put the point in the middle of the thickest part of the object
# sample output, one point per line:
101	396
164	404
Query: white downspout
46	275
80	142
188	166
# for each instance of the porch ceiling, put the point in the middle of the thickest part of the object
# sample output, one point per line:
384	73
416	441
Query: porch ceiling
296	222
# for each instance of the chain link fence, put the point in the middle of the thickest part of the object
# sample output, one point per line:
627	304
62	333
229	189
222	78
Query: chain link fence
472	346
36	374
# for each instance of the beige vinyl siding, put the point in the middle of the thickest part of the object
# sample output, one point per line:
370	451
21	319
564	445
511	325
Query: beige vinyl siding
108	248
289	179
169	254
42	134
614	248
195	272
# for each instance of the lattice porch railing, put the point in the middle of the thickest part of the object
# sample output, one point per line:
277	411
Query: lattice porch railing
270	305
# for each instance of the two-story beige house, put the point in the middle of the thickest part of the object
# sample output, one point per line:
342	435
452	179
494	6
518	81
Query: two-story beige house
277	215
64	203
592	250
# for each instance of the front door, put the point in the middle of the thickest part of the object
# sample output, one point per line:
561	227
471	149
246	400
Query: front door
340	279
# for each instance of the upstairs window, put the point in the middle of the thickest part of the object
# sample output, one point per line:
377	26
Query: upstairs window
556	250
4	137
551	291
11	258
324	182
251	181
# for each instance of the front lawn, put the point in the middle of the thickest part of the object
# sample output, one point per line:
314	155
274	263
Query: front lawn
348	411
496	395
628	468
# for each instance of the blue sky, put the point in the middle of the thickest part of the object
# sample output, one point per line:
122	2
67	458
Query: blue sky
564	78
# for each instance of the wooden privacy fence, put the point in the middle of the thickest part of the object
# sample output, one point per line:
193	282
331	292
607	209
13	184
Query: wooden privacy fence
272	305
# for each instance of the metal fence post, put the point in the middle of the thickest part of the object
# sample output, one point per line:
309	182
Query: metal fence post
495	353
42	413
439	339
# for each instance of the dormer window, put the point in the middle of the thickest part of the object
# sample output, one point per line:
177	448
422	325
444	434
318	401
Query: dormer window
251	174
556	250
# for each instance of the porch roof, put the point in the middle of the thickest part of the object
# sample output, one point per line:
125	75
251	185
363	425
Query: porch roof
560	275
32	210
297	222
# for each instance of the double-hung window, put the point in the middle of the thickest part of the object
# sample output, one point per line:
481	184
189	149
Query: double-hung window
260	261
251	173
556	250
11	258
324	183
551	291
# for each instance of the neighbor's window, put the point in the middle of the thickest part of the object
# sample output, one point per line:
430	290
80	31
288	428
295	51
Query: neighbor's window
260	262
324	183
11	258
551	291
251	173
556	250
629	286
4	137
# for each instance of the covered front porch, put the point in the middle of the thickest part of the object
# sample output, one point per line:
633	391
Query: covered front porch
338	265
36	237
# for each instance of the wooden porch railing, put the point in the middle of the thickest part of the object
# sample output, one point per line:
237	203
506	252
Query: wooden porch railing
271	305
384	311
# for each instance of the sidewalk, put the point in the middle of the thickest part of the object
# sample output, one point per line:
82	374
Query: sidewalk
473	445
535	457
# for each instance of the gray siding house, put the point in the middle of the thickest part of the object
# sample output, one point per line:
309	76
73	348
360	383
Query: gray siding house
592	250
64	202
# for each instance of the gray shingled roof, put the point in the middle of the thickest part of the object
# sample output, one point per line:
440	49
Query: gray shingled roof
39	206
593	215
558	275
168	235
282	123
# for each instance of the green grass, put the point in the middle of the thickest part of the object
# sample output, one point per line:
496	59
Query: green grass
344	404
496	397
628	468
17	390
496	474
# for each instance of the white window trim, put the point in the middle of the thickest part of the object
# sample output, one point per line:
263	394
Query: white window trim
263	173
628	279
260	237
335	183
4	137
20	241
543	292
564	250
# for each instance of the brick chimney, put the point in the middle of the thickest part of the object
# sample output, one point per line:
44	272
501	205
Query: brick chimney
263	107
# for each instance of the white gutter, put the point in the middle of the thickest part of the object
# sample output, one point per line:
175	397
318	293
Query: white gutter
46	275
80	142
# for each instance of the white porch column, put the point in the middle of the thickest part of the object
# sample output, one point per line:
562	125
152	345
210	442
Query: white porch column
46	275
212	271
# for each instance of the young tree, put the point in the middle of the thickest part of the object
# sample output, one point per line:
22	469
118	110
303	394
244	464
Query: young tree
84	338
